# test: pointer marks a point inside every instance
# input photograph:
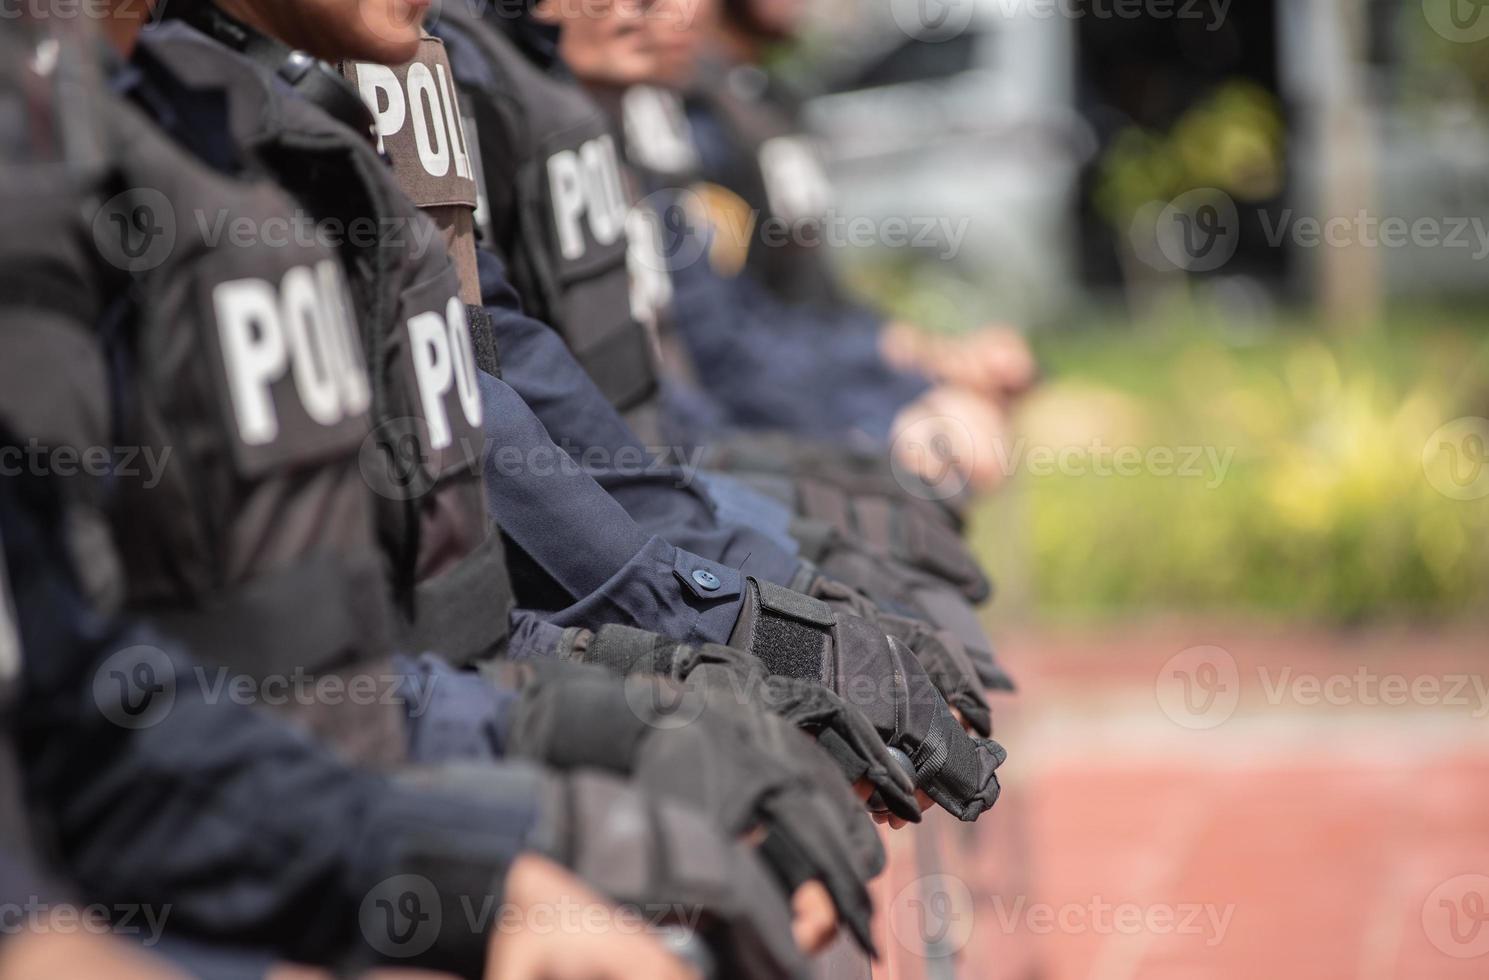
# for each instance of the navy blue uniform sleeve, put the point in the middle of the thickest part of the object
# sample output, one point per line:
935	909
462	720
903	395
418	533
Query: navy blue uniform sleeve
247	830
662	499
610	568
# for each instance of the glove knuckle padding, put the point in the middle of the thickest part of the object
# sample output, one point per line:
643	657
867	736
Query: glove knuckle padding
738	764
679	862
578	717
946	662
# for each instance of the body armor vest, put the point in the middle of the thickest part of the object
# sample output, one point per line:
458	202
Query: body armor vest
423	461
246	375
777	171
558	207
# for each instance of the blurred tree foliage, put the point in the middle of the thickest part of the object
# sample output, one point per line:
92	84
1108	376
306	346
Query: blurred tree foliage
1325	510
1233	140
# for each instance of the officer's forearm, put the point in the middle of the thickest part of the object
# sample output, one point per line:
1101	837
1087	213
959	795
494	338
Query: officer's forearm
555	513
243	828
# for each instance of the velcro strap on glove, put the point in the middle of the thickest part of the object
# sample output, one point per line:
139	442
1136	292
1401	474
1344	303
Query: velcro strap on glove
789	632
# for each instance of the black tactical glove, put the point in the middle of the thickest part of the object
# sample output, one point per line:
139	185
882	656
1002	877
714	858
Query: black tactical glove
850	470
842	730
893	529
908	595
798	636
745	768
865	499
945	660
654	854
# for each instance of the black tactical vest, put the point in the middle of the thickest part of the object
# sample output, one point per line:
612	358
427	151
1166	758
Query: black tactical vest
776	170
424	460
558	206
245	374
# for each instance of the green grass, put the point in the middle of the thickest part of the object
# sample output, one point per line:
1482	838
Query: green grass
1326	511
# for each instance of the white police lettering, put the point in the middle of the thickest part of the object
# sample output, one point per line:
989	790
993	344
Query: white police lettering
443	359
587	182
297	327
657	132
794	179
423	100
651	286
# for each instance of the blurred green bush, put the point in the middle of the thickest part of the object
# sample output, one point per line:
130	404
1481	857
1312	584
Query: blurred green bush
1309	490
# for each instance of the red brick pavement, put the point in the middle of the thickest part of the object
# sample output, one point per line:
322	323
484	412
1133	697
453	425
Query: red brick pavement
1307	837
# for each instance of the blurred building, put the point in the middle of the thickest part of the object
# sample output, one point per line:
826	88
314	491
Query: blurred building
1006	112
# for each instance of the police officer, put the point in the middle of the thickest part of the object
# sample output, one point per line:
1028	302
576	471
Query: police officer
182	55
44	291
532	119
